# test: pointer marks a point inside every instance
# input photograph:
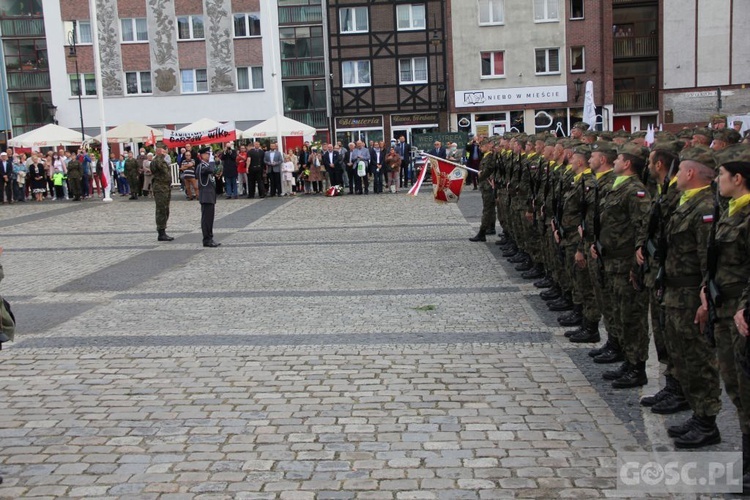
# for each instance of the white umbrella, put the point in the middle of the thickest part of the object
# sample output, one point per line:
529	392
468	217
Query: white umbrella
131	132
589	107
50	135
279	125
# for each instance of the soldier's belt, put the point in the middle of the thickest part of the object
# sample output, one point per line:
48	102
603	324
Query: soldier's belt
733	291
692	281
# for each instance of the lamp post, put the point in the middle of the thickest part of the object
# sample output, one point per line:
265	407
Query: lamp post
73	55
578	84
52	110
436	41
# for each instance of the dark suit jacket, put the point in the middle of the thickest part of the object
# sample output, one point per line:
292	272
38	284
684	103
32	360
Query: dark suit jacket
374	162
255	158
406	152
326	159
6	168
440	153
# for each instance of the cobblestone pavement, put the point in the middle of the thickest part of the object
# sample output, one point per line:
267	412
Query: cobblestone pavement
356	347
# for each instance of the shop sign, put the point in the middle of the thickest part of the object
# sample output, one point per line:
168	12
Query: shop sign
511	96
415	119
359	122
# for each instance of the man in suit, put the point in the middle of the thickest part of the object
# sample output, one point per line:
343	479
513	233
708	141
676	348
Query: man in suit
6	179
207	197
255	157
346	161
330	161
473	158
438	150
404	151
377	162
273	160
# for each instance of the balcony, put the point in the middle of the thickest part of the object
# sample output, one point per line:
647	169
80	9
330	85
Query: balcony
636	100
22	27
635	46
297	69
314	118
28	80
301	15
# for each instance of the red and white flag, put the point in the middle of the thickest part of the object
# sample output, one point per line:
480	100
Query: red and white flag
414	191
447	180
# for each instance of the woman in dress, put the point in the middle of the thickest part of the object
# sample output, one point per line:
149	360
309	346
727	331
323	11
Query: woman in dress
393	164
147	176
316	176
38	177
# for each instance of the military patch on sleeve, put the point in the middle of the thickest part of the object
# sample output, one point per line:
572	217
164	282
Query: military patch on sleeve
708	218
640	194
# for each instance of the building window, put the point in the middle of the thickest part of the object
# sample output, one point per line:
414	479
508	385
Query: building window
577	60
354	20
194	81
85	82
411	17
83	33
493	64
491	12
355	73
247	25
412	70
190	28
301	43
134	30
250	78
138	82
546	10
576	9
547	61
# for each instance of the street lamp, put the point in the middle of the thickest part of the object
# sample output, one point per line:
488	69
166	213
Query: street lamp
52	110
578	84
73	55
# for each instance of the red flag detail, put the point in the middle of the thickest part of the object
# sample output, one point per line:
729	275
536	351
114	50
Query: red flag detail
447	180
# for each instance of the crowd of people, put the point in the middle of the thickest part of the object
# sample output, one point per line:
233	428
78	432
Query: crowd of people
623	232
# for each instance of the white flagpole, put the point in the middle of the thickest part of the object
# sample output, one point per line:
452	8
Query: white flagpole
100	99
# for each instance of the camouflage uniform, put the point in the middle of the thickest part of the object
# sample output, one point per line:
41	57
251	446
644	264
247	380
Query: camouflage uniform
486	170
131	172
75	174
161	185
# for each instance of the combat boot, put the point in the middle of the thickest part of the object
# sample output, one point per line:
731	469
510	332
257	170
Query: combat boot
674	403
589	333
619	372
576	331
535	273
668	389
573	318
635	377
163	236
518	258
703	433
3	339
546	282
598	350
490	231
480	236
525	266
562	304
553	293
504	239
613	354
678	430
510	252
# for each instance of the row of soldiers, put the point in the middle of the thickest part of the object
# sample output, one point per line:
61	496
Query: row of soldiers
618	233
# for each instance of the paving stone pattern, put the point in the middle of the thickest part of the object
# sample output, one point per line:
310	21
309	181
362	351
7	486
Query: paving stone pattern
355	347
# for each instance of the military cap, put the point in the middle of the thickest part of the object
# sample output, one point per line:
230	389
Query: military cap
686	133
633	149
638	134
718	118
552	141
728	135
590	133
161	145
663	135
582	125
605	136
603	147
204	150
704	132
699	154
735	154
583	149
508	136
571	143
624	134
672	147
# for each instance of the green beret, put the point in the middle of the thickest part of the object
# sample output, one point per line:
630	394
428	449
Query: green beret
605	136
622	134
686	133
633	149
571	143
700	154
603	147
728	135
161	145
590	133
582	125
640	134
736	153
672	147
704	131
583	149
663	135
550	142
508	136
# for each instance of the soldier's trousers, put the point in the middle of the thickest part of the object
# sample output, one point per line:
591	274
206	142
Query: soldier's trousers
694	360
656	309
488	209
561	266
74	186
602	295
630	315
133	182
730	350
162	196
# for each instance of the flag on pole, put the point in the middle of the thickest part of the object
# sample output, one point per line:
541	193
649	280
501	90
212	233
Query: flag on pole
447	180
151	140
414	191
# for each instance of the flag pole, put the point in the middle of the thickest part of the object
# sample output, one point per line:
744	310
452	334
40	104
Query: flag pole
448	161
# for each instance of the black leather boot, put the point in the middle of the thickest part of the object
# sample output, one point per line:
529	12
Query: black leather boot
163	236
525	266
491	231
480	236
598	350
635	377
674	401
562	304
613	354
589	334
703	433
504	239
510	251
553	293
546	282
678	430
576	331
619	372
534	273
662	394
518	258
573	318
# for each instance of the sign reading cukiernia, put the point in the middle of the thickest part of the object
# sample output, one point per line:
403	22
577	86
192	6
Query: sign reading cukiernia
504	97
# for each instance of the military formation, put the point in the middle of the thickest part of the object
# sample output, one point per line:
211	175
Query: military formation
630	239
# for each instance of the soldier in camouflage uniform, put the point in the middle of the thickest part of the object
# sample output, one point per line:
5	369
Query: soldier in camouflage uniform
161	185
685	266
663	162
486	171
75	174
623	216
131	172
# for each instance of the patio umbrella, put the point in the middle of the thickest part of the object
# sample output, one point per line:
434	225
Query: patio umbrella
50	135
279	125
131	132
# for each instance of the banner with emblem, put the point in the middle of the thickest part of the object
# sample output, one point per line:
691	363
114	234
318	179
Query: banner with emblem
447	179
177	139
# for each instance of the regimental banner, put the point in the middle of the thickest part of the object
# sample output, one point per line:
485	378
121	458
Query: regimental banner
511	96
447	180
177	139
